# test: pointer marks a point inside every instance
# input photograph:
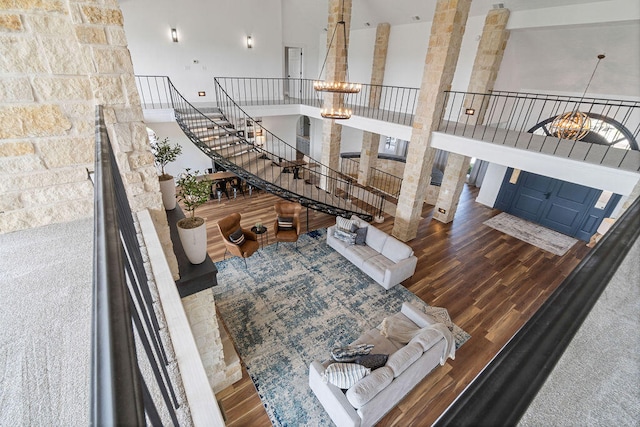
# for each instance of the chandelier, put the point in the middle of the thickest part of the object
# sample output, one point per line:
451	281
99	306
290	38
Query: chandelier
339	114
337	87
575	124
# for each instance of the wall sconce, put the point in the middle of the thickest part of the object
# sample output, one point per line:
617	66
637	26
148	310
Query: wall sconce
249	42
202	93
174	35
470	111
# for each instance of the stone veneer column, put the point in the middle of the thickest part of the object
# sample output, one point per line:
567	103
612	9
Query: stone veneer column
335	70
58	59
483	76
447	29
370	140
200	309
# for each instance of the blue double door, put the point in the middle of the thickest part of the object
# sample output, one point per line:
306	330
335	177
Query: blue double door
571	209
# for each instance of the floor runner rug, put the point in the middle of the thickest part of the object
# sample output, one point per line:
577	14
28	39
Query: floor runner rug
534	234
290	306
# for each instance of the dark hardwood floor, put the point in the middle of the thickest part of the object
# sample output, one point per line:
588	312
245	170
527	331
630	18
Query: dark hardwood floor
490	283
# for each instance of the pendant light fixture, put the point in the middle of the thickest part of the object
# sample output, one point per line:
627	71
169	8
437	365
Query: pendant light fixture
575	124
337	87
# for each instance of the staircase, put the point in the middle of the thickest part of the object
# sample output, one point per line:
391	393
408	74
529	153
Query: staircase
239	144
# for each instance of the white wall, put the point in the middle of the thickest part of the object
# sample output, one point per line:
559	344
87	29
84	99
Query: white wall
212	33
191	156
351	140
301	28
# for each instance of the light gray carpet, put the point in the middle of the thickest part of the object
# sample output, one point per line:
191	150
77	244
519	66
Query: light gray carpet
596	382
45	313
534	234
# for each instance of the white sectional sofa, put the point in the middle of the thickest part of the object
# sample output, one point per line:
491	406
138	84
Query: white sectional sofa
369	399
384	258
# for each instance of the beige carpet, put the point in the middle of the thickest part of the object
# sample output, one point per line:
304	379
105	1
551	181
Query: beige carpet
534	234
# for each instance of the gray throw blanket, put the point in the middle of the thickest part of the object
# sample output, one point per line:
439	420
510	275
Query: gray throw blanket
403	331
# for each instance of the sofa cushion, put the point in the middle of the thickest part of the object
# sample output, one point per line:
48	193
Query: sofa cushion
361	235
368	387
427	338
345	236
359	221
376	238
359	254
372	361
350	353
395	250
403	358
344	224
376	266
344	375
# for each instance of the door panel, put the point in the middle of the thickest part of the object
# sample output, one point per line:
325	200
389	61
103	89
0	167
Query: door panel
563	206
531	199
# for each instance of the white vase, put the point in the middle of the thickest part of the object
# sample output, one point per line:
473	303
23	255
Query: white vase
168	190
194	242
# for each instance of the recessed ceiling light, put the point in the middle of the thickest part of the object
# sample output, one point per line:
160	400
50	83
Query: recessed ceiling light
367	24
415	18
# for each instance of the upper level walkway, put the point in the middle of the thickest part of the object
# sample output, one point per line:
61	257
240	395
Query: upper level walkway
514	129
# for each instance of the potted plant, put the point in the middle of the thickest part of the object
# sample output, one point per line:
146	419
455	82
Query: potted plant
193	192
165	153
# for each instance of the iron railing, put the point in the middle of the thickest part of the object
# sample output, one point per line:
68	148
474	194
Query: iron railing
120	395
378	179
523	120
393	104
239	143
505	388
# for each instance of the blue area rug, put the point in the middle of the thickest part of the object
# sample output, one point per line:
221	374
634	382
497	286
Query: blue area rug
293	305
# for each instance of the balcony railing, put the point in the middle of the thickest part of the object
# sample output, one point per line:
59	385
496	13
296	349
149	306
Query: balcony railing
122	304
378	179
523	120
393	104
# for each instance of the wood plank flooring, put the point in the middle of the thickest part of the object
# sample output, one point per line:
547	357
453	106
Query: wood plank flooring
490	283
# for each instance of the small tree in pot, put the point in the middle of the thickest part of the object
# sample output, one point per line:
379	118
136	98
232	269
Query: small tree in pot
193	192
164	154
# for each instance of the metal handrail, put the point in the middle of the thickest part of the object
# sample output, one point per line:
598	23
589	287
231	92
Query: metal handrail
396	104
227	141
378	179
486	116
122	301
502	392
116	397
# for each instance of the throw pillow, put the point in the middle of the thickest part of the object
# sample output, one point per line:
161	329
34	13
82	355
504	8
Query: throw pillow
372	361
349	354
361	236
237	237
344	375
344	224
399	329
345	236
285	223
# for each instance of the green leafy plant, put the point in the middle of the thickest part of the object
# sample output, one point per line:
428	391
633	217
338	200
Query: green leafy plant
164	154
192	192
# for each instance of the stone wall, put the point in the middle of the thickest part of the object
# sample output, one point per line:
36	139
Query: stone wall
58	59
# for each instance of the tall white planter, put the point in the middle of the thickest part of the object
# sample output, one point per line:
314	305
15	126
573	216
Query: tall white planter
168	190
194	242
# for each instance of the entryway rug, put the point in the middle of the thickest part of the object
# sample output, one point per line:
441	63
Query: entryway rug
534	234
291	306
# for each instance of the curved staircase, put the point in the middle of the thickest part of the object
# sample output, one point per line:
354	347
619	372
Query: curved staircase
237	143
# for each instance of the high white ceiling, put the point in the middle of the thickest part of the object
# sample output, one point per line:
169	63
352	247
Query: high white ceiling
400	12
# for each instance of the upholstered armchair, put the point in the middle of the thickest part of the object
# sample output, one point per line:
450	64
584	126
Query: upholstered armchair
237	240
287	224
